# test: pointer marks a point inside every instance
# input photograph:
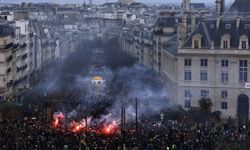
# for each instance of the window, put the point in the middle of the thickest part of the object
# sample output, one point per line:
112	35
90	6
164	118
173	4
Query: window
187	75
243	70
187	104
223	105
203	75
204	93
224	63
224	76
228	26
196	44
247	26
225	41
225	44
204	62
244	44
187	62
188	93
224	94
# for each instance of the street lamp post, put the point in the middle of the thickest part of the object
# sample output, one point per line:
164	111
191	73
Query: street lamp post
136	121
122	126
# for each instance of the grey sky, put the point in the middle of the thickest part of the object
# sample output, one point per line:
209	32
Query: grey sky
103	1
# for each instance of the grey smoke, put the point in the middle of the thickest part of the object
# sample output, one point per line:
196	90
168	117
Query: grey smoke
131	80
141	83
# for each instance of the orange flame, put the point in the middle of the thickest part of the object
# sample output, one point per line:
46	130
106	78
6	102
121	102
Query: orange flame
111	128
77	127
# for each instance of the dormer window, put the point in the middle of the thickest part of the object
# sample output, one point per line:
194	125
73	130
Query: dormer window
243	42
196	44
225	44
225	41
196	41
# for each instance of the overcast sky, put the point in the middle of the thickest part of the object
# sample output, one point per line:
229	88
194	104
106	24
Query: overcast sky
103	1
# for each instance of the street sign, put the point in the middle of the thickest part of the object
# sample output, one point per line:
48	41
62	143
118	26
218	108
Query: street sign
247	85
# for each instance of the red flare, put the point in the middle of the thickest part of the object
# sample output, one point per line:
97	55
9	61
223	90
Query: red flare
77	127
111	128
56	119
56	122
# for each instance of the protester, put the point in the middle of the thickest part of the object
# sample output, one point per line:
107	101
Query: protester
35	134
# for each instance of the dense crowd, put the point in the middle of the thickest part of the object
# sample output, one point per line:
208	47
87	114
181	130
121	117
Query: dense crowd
36	134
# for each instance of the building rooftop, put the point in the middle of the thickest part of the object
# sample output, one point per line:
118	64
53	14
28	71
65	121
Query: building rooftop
171	46
197	5
240	6
6	30
226	27
166	22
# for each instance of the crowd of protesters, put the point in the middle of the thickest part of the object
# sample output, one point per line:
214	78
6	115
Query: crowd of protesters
36	134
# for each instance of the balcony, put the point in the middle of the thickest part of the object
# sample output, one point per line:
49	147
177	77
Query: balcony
15	46
24	56
8	70
10	83
18	69
24	67
8	46
23	45
18	81
9	58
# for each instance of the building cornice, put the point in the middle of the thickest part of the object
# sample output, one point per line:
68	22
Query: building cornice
235	52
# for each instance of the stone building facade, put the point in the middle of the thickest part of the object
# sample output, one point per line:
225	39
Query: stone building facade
199	57
214	63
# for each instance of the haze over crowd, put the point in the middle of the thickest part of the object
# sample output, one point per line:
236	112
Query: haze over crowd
103	1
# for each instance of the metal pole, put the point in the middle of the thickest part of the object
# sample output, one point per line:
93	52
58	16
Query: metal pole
33	85
86	120
124	117
122	124
136	120
66	119
124	121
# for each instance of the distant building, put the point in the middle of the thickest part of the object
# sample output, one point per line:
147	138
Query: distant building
197	6
126	2
14	62
240	6
186	5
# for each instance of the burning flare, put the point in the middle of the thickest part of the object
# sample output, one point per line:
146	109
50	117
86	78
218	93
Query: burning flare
56	119
77	127
111	128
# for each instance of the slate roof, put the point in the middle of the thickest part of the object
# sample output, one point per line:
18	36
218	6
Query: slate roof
137	5
172	45
197	5
6	30
166	22
240	6
207	30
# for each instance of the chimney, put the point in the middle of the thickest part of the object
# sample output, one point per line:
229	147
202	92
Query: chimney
238	22
186	5
182	30
218	7
218	22
222	6
193	23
